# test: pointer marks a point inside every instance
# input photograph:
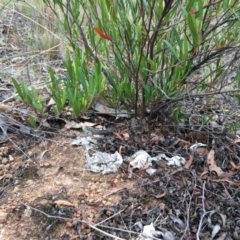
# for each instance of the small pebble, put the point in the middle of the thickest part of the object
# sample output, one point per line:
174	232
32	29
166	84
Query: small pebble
16	189
46	164
118	176
3	216
58	183
29	161
5	161
8	175
99	190
7	167
30	182
108	204
109	213
94	187
29	153
90	200
4	150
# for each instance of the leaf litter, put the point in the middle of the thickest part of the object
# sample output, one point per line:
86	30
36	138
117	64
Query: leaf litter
197	198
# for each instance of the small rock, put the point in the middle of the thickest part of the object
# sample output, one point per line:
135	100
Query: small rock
7	167
91	200
8	175
46	164
1	173
94	187
58	183
29	161
108	204
29	153
10	157
4	150
30	182
3	216
16	189
5	161
16	182
44	202
27	212
109	213
99	190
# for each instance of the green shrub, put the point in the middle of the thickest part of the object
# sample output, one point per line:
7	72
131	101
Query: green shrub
31	97
132	53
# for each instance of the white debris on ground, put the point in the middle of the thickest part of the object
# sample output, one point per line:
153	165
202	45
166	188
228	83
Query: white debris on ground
141	159
98	161
110	163
104	162
150	233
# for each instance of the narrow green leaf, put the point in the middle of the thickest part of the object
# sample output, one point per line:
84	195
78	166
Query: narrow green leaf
172	50
193	30
18	88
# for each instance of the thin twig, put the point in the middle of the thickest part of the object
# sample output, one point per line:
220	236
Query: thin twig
71	220
167	102
204	212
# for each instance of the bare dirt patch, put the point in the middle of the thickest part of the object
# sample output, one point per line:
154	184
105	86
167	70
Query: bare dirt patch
53	180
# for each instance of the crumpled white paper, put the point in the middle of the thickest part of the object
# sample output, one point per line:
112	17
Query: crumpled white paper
149	233
98	161
104	162
141	159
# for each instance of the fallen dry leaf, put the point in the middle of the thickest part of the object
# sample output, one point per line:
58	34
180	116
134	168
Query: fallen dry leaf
5	108
189	162
236	140
212	164
69	224
64	202
204	173
76	125
118	135
234	165
225	180
51	102
161	195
